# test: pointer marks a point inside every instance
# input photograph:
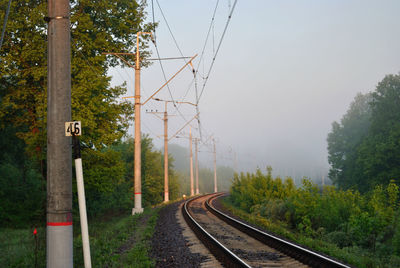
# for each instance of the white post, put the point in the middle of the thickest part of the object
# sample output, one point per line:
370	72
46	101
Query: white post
191	163
82	213
197	166
166	191
215	169
81	196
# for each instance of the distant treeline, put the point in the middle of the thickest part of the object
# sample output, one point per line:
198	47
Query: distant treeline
364	147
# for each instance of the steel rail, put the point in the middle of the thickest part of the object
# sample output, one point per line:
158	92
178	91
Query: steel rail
223	254
295	251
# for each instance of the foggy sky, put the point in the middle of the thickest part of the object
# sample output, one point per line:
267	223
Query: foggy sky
285	71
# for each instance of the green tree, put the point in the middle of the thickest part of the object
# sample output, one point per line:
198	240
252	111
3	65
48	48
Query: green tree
22	195
344	141
152	171
96	27
379	154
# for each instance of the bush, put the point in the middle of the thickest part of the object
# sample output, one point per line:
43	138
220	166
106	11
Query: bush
345	218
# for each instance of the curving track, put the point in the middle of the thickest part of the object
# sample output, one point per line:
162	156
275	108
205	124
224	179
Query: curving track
239	245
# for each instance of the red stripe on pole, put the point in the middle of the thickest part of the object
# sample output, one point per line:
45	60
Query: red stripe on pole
59	223
138	193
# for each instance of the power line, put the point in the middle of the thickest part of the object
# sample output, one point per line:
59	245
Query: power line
208	34
158	55
149	129
173	37
198	66
182	56
187	91
169	29
216	53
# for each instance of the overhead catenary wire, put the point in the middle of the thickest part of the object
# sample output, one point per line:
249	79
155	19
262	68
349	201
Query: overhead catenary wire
159	58
216	52
169	29
151	131
198	66
129	89
176	105
207	36
176	44
158	53
187	91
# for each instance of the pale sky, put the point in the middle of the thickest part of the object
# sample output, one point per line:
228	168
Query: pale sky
285	71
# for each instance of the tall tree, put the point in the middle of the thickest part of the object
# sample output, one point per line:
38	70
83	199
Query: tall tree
379	154
344	140
96	27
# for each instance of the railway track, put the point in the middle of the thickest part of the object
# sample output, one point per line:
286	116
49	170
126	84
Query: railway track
236	244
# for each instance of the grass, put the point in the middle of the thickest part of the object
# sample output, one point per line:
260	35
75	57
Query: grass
120	241
18	247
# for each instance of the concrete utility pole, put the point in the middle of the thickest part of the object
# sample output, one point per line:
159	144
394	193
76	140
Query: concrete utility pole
190	145
166	191
138	139
59	238
197	165
138	161
235	162
191	162
137	181
215	168
165	119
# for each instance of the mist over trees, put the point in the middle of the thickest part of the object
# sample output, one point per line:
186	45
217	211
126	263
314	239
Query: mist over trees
364	148
206	174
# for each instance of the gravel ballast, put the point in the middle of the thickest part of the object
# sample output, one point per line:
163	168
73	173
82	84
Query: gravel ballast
169	246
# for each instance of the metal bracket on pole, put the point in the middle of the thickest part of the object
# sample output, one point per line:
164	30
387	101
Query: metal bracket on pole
170	79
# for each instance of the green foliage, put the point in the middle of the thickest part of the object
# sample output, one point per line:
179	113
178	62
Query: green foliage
19	247
378	155
119	242
22	194
115	241
348	219
364	149
345	138
96	27
152	171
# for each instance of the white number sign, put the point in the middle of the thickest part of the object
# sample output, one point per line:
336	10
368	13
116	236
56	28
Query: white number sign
73	128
